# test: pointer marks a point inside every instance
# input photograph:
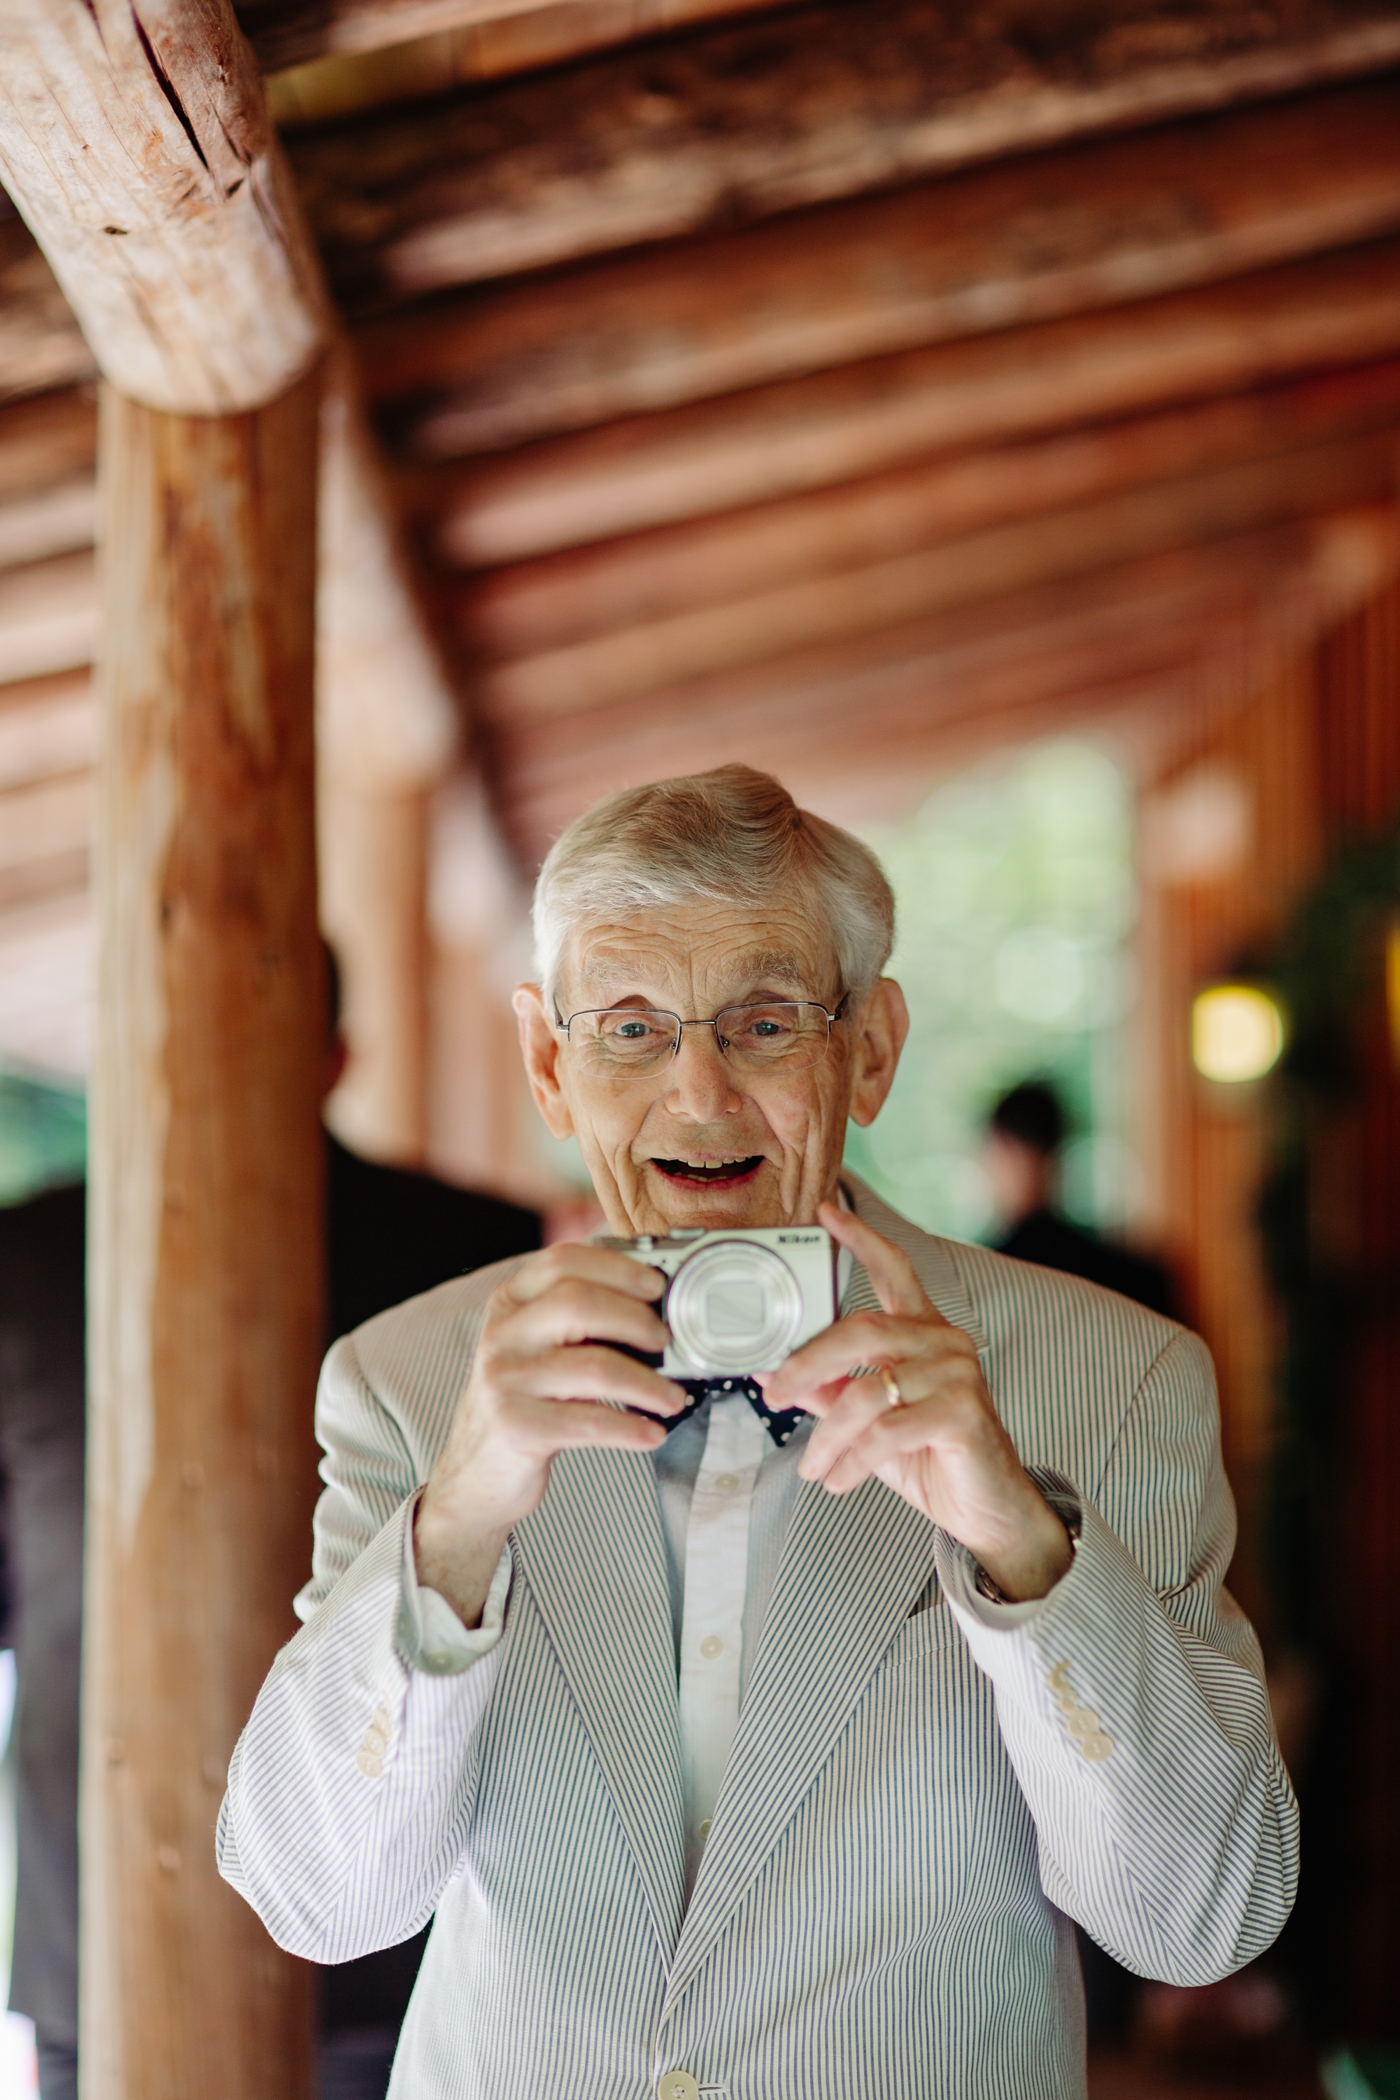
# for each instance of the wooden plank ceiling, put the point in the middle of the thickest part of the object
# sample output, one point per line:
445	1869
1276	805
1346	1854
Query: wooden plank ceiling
834	386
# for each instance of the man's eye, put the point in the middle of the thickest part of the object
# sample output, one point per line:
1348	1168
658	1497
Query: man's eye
630	1031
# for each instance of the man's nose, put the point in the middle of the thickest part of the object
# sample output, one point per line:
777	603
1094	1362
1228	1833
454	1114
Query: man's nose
701	1083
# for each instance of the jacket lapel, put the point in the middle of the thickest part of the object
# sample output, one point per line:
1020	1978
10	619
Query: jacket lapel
851	1570
593	1558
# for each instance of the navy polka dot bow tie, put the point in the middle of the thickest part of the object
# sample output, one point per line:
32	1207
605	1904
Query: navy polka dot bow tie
780	1422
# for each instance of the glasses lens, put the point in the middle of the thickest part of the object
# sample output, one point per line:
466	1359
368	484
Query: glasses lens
630	1039
790	1033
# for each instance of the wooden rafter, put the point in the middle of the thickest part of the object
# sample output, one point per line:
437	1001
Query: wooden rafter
563	599
873	704
732	125
806	434
465	38
1090	226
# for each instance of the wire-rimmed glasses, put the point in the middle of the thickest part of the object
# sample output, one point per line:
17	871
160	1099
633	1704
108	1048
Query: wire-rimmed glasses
624	1042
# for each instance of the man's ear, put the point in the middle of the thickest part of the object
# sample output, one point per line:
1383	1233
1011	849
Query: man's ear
541	1048
879	1029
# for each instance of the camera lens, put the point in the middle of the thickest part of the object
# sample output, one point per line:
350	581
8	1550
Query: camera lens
734	1306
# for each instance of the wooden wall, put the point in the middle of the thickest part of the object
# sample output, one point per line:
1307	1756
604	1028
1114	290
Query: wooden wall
1312	748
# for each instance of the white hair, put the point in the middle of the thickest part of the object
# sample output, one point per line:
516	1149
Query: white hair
733	836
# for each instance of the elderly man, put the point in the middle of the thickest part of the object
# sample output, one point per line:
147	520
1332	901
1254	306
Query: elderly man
766	1747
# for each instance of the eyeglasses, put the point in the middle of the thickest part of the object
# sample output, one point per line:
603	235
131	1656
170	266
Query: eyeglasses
627	1042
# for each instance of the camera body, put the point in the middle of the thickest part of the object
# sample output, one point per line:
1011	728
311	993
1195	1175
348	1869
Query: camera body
738	1301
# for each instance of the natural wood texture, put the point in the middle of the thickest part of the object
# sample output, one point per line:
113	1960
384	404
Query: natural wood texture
47	442
386	728
899	699
139	151
1085	227
41	345
47	727
46	970
868	596
1312	747
373	849
48	616
207	1297
809	433
341	59
730	125
1357	770
61	520
386	713
48	746
560	599
37	822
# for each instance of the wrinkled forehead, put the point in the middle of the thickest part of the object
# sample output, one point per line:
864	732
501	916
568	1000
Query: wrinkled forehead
710	953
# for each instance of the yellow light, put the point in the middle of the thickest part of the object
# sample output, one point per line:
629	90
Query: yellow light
1392	986
1236	1033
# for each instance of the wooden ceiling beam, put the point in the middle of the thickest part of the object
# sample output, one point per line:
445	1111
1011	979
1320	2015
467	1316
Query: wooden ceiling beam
840	711
805	434
329	58
738	123
185	261
997	247
46	441
558	600
1191	511
48	617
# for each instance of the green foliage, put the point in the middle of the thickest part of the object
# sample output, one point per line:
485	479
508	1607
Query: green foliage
1015	892
43	1136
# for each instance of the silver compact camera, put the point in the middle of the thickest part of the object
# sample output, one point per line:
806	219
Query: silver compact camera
738	1301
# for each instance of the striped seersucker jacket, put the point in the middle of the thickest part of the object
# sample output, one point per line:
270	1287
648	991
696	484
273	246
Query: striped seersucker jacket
924	1789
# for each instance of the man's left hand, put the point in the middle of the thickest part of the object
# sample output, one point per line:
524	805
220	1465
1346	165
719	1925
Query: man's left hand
945	1449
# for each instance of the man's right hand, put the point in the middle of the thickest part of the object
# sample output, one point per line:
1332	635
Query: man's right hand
540	1371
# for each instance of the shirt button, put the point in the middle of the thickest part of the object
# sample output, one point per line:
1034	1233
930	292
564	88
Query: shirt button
1097	1747
711	1646
1082	1721
370	1766
374	1742
705	1829
725	1483
677	2085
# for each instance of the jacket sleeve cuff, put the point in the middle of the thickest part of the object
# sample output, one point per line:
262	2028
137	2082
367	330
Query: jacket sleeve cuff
431	1637
958	1570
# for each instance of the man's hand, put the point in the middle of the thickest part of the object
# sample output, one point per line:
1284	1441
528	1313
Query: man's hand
541	1368
945	1451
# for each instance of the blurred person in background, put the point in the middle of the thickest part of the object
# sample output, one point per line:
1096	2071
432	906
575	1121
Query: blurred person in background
42	1404
1025	1137
391	1233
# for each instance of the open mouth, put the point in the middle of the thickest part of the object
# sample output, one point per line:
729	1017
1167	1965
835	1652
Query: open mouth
708	1172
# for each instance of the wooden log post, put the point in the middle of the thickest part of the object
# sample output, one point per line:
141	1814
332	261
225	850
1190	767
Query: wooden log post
386	731
207	1295
139	152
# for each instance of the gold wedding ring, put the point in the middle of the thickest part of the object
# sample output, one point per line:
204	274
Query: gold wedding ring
892	1392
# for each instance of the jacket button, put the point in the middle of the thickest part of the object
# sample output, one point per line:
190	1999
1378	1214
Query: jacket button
677	2085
